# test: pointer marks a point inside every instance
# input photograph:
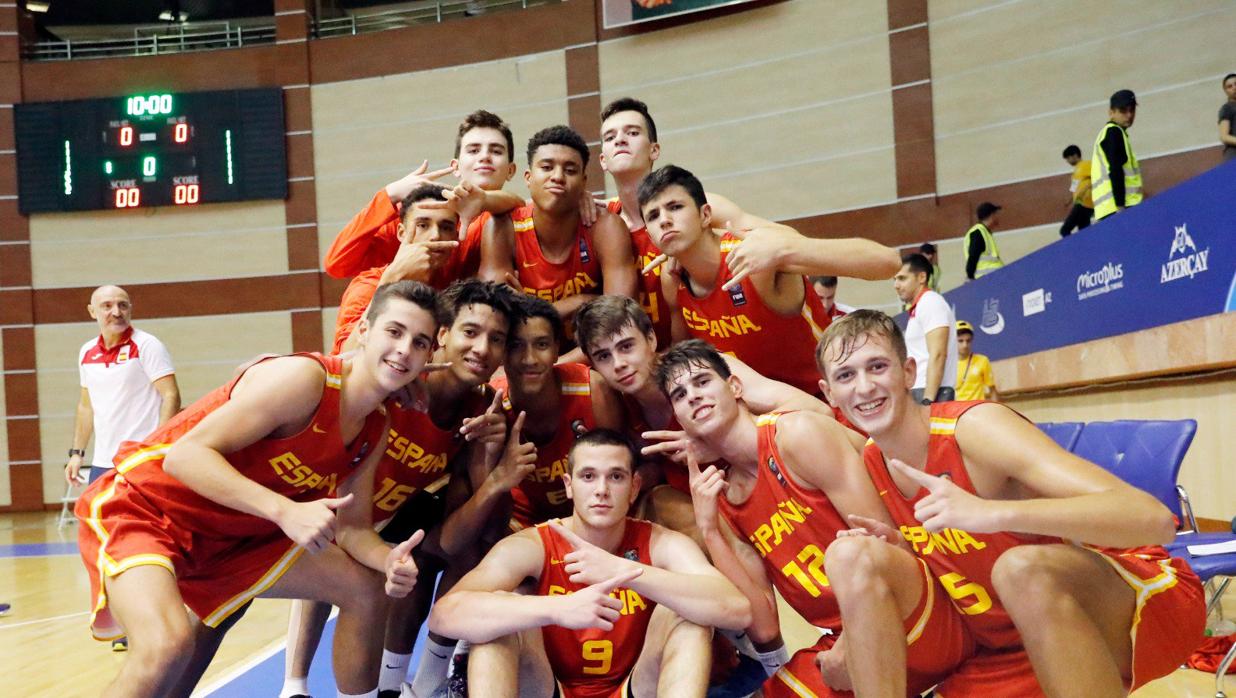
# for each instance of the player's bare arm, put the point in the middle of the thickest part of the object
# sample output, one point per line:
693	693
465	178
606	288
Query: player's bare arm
818	452
679	577
498	252
464	525
733	557
355	534
669	291
481	607
275	399
606	405
763	394
613	241
1028	484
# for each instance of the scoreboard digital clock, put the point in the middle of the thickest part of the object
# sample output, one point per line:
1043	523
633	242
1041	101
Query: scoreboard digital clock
152	149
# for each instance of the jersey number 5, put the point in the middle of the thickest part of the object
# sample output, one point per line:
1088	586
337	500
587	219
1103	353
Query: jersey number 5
960	588
601	652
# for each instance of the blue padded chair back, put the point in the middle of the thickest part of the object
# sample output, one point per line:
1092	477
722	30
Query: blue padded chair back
1063	433
1145	454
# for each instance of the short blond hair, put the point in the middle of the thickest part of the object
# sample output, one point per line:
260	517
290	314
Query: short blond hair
854	327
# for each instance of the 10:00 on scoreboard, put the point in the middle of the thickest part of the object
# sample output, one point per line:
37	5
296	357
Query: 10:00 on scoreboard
151	149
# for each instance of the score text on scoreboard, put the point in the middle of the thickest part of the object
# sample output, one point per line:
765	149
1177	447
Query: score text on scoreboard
152	149
150	119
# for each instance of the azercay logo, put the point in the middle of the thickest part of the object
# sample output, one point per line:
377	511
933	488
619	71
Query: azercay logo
1181	262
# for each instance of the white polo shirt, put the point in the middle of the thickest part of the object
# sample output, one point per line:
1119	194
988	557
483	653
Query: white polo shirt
930	311
120	382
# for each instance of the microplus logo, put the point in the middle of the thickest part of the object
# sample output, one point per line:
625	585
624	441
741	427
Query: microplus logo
1182	262
1108	278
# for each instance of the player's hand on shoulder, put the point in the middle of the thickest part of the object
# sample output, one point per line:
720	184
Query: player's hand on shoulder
592	607
864	526
588	564
947	505
706	486
311	525
401	569
760	250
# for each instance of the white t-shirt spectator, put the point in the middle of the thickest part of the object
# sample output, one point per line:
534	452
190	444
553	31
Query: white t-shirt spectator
929	312
120	381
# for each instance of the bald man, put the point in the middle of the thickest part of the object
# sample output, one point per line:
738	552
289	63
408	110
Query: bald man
128	384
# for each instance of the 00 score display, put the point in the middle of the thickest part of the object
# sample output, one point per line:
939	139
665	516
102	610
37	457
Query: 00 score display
155	149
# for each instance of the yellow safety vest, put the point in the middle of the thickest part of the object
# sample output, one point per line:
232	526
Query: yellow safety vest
990	260
1101	177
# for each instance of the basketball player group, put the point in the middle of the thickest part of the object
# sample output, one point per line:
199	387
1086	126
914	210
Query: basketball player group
585	441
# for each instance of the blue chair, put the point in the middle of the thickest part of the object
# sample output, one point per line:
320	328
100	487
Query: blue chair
1063	433
1148	455
1145	454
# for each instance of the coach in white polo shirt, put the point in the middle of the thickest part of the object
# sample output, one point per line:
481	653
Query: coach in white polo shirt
128	384
931	333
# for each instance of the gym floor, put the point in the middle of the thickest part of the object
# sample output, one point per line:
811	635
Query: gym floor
46	648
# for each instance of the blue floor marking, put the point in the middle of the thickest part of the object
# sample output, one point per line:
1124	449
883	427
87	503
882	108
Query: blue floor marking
266	678
37	549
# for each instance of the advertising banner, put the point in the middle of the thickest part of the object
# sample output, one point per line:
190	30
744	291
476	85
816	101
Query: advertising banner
1172	258
620	13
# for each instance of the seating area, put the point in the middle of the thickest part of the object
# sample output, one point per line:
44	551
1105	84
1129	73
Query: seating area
1148	455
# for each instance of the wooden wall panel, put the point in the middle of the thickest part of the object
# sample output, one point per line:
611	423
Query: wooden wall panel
91	248
1046	85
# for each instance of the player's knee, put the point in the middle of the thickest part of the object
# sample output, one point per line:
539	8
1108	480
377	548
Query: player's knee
857	561
1026	576
365	593
164	646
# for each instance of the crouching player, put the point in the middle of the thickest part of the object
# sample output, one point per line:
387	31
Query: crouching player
179	523
622	607
1054	563
768	520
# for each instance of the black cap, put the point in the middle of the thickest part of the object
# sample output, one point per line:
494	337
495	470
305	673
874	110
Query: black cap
985	209
1123	99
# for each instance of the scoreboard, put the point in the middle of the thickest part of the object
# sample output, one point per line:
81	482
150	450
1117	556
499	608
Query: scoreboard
151	149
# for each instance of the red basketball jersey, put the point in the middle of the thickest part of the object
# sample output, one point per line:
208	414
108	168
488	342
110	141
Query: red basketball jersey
579	274
651	297
675	474
542	495
417	453
790	527
592	663
738	322
303	467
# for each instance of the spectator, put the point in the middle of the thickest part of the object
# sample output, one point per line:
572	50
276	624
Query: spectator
128	384
1227	117
931	339
982	255
1080	203
826	288
1115	174
975	380
928	250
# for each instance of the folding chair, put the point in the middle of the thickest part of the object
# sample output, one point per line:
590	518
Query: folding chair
1148	456
70	498
1063	433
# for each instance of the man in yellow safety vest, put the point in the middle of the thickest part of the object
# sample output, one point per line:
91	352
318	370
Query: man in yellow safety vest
982	255
1116	176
